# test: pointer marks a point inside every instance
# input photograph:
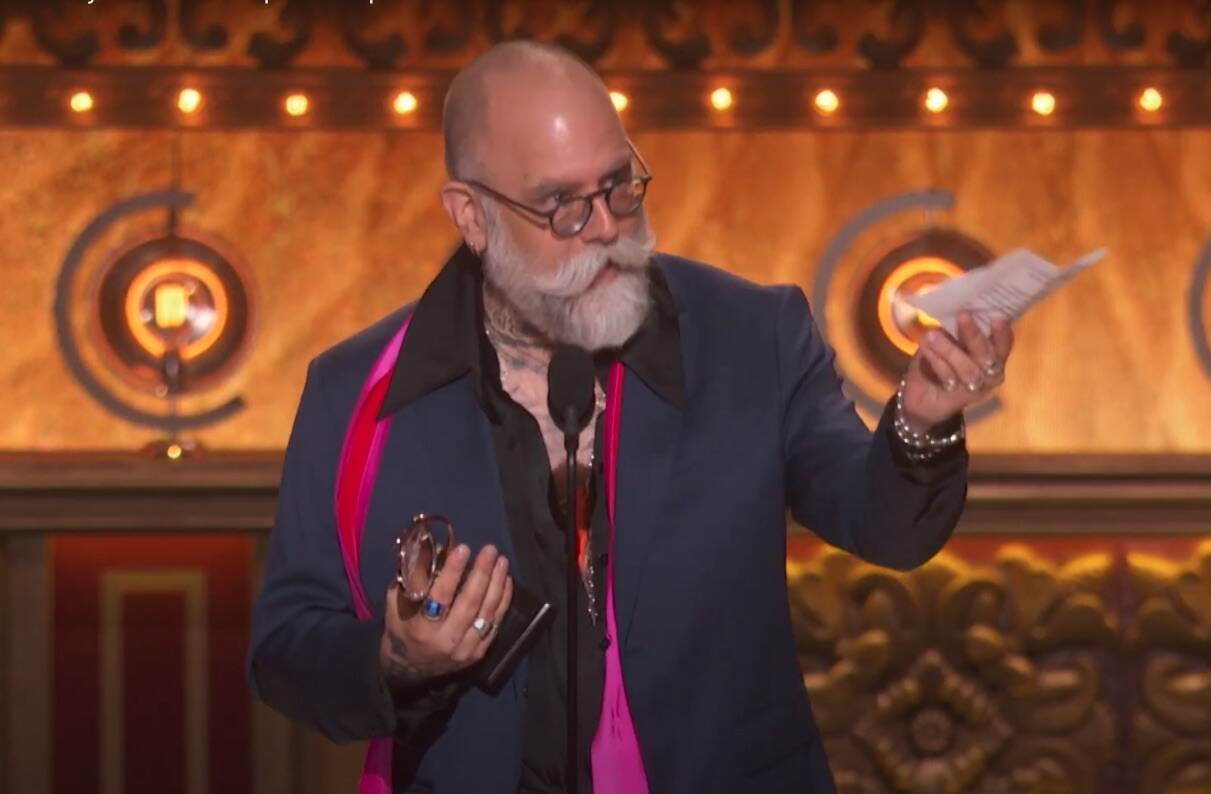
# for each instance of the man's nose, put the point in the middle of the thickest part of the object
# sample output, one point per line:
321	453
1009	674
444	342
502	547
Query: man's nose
602	226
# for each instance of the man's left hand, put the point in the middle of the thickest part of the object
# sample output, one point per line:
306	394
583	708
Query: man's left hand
947	374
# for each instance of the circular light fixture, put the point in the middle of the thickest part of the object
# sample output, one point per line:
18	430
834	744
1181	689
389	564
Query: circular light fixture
189	100
297	104
81	101
721	99
936	100
404	103
889	329
1043	103
620	100
154	327
1150	100
827	101
173	313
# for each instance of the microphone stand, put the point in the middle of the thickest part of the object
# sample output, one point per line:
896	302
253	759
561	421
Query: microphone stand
570	400
571	440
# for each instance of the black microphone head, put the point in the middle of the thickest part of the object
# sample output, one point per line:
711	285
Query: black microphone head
570	388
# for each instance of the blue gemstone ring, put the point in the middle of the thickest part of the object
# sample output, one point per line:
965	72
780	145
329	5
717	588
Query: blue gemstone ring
431	610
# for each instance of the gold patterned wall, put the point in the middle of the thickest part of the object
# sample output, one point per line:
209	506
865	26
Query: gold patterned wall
339	228
1058	665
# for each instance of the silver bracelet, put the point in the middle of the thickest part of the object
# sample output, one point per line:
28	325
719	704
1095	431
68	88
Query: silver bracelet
921	446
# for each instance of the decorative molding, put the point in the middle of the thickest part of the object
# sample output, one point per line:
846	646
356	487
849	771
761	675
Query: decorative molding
667	55
190	587
137	492
1170	641
676	34
1019	495
982	679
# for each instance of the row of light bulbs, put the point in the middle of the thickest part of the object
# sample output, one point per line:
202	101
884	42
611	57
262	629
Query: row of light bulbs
189	101
935	100
826	101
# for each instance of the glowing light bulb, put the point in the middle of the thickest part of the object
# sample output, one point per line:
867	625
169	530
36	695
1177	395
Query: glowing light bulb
620	100
827	101
1043	103
404	103
297	104
1151	100
172	305
721	99
81	102
189	100
936	100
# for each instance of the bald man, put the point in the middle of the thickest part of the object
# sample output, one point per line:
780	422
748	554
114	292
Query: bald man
729	413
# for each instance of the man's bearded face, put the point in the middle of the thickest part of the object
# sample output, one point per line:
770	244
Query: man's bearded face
596	298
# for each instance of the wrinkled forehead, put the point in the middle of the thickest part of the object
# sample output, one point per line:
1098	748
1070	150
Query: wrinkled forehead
551	136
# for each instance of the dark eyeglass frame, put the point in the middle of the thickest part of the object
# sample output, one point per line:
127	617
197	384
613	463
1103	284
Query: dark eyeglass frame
589	199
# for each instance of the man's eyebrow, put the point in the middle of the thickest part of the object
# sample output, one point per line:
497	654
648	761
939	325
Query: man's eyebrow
544	189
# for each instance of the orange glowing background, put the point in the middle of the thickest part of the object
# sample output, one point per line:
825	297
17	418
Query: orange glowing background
902	324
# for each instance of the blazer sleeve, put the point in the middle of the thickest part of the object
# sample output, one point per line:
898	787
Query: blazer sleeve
849	486
309	656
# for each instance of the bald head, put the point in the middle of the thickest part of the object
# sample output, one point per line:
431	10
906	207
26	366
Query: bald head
519	92
532	137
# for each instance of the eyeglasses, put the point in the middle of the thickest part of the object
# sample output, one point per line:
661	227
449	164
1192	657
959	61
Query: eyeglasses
572	214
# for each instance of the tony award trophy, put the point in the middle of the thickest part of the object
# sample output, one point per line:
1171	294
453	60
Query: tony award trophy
421	551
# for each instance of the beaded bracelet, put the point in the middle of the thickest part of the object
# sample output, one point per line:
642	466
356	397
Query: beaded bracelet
920	447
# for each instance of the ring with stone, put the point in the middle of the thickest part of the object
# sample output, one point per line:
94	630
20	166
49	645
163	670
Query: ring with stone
483	626
992	367
973	386
432	610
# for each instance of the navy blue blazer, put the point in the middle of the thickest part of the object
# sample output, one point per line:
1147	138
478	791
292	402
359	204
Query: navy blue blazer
708	656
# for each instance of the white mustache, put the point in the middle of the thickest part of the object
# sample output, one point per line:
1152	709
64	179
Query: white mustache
631	252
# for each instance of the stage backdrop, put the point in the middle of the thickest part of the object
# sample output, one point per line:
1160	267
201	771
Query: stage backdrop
338	229
1060	643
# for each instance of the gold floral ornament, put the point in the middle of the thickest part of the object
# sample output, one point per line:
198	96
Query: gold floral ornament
1170	646
957	678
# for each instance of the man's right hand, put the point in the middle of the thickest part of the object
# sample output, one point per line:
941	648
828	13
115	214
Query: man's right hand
415	650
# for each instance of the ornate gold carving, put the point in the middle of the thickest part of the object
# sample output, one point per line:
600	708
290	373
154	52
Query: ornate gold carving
1169	641
682	34
958	678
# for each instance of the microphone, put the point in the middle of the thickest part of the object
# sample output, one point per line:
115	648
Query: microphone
570	401
570	390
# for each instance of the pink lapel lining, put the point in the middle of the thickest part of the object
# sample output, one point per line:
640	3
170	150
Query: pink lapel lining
356	471
614	756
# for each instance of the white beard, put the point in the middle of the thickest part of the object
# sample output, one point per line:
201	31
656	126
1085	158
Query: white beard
561	306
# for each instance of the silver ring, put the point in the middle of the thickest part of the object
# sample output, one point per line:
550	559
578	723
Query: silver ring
973	387
483	626
949	384
992	367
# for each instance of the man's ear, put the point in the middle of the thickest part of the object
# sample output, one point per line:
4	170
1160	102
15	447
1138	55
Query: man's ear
460	206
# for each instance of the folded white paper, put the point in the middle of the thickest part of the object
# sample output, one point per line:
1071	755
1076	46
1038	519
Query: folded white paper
1005	287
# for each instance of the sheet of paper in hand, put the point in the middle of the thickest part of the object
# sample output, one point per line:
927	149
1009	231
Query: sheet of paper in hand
1007	286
